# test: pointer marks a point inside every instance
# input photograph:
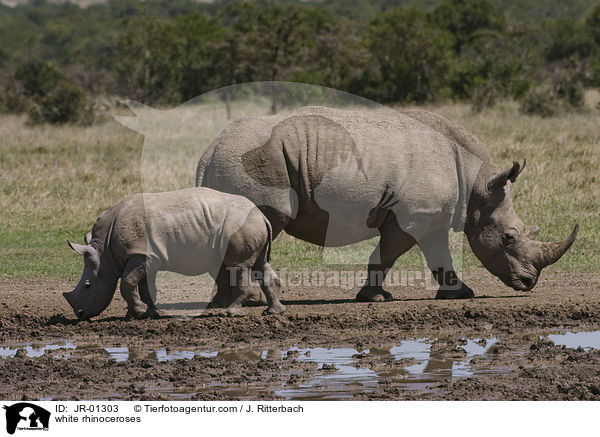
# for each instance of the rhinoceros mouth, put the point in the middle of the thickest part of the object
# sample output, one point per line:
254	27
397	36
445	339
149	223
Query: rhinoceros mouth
523	283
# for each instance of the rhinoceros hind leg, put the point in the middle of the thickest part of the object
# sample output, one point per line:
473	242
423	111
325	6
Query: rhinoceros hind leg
392	244
240	292
223	296
256	299
373	294
271	287
147	288
464	292
231	312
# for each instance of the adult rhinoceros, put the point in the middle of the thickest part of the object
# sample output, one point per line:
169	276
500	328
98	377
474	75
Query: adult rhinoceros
335	177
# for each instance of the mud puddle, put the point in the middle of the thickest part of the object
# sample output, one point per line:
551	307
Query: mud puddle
574	340
308	373
336	373
412	365
33	350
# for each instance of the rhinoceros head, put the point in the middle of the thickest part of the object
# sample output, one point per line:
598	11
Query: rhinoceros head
96	287
505	246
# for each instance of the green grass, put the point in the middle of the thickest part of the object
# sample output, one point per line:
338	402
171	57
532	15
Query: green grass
54	181
561	182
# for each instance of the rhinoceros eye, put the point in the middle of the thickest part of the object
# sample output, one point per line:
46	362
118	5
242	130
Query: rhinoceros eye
510	237
87	284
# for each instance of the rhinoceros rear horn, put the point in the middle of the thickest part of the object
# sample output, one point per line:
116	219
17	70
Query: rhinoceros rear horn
552	252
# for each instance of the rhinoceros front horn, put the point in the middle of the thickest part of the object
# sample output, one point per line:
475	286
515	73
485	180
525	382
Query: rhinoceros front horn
552	252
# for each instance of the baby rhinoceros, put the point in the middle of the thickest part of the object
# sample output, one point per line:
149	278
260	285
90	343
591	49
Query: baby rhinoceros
191	231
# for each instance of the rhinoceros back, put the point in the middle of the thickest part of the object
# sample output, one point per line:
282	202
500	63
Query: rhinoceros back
336	164
185	231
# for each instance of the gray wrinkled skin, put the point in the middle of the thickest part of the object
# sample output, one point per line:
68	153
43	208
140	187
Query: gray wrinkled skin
335	177
191	232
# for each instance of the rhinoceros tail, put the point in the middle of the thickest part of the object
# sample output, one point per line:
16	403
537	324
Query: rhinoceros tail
205	160
265	255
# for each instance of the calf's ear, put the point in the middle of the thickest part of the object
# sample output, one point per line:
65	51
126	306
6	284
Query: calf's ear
79	248
502	178
88	237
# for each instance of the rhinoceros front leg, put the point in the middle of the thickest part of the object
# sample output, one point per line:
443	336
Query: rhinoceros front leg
134	272
436	248
392	244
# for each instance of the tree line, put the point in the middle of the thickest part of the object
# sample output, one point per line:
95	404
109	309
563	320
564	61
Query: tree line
54	56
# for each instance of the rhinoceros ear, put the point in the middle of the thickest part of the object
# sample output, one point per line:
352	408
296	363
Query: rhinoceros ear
502	178
79	248
88	237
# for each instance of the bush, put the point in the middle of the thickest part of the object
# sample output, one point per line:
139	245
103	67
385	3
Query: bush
67	103
465	18
12	100
539	101
485	96
563	91
568	86
568	39
410	57
38	78
51	98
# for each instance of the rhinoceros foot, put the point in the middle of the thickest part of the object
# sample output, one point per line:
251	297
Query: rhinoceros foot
231	312
223	300
463	293
140	312
373	294
256	299
152	313
274	309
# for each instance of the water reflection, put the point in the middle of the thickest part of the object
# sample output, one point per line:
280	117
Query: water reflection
340	372
36	350
585	340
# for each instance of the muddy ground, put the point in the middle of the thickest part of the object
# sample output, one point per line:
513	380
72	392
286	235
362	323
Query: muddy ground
250	358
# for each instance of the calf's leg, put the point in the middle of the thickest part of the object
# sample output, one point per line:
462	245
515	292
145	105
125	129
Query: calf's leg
134	272
224	294
271	287
240	291
147	290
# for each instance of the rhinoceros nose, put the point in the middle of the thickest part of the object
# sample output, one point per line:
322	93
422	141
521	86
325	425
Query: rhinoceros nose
528	282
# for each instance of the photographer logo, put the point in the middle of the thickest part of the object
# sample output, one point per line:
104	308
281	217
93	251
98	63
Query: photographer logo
24	416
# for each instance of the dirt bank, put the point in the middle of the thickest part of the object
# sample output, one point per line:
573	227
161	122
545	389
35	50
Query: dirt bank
210	357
